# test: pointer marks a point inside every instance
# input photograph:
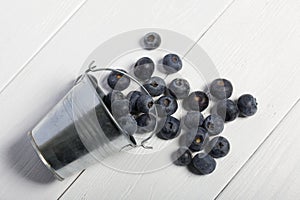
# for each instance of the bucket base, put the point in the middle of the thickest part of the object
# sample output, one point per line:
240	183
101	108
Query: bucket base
37	150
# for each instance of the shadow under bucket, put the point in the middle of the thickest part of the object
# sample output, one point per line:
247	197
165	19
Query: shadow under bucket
78	132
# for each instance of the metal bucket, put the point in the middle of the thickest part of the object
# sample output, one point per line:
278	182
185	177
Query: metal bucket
78	132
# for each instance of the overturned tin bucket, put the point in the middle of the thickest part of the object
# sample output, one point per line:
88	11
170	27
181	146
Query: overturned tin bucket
79	131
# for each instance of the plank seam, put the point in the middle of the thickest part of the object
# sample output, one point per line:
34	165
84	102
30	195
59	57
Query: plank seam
60	196
258	148
209	27
47	41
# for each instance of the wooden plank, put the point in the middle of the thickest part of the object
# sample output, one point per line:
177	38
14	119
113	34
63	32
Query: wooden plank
274	170
26	27
255	44
51	73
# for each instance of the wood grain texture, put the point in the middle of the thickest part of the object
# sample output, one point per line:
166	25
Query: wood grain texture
274	171
255	44
26	27
47	77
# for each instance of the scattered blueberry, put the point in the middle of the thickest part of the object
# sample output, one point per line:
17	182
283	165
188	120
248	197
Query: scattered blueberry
120	108
221	88
198	101
172	63
227	109
118	81
133	97
247	105
166	105
219	147
170	130
214	124
144	103
128	124
111	97
193	119
146	123
196	139
203	164
155	86
144	68
151	41
180	88
183	156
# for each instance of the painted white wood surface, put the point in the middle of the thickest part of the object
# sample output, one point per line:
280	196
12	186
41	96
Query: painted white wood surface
274	170
255	44
26	27
47	77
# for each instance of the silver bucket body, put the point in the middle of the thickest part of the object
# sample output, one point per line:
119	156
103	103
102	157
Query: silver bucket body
78	132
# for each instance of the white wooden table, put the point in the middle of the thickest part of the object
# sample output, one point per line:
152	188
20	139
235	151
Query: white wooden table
254	43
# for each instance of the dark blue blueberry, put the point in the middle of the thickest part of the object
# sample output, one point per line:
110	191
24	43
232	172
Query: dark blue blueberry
247	105
227	109
180	88
193	119
144	103
117	80
184	157
198	101
144	68
196	139
214	124
155	86
151	41
166	105
219	147
133	97
203	164
146	123
172	63
170	130
128	124
111	97
221	88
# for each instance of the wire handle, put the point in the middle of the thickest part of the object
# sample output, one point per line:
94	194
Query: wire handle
92	67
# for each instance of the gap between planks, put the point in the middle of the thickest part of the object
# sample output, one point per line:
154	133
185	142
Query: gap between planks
43	45
258	148
195	43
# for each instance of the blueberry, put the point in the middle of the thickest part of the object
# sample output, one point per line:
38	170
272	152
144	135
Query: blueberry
214	124
144	103
203	164
196	139
219	147
247	105
221	88
180	88
128	124
120	108
144	68
146	123
170	130
111	97
151	41
155	86
166	105
172	63
193	119
227	109
133	97
198	101
183	157
118	81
